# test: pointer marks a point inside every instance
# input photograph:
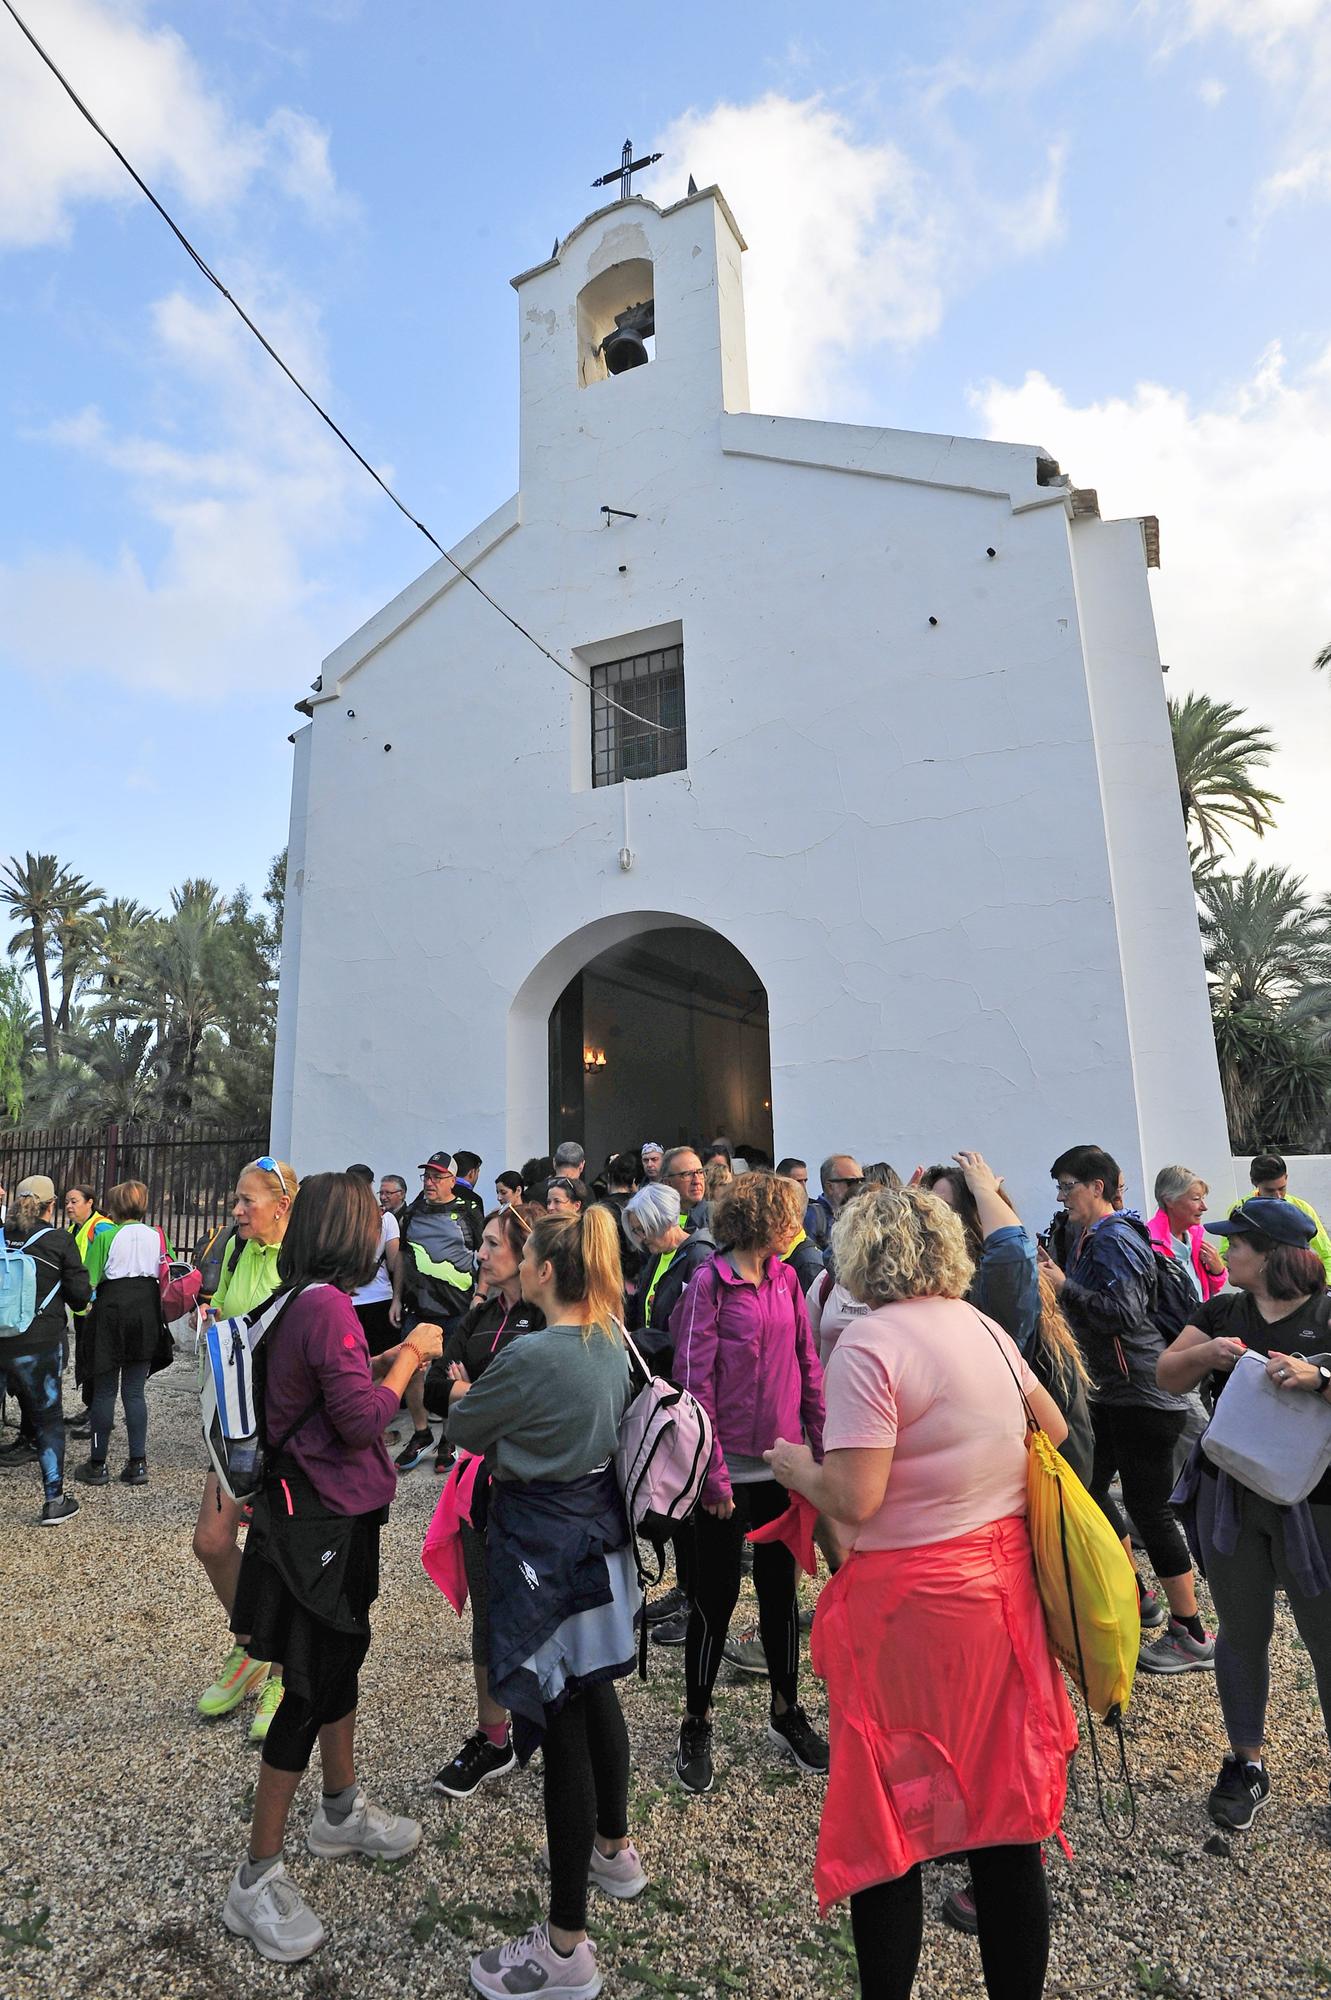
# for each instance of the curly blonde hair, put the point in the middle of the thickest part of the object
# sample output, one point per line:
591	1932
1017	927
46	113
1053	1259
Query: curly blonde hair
900	1243
758	1211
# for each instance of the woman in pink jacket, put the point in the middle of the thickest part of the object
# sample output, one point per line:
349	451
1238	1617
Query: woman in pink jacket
743	1347
1176	1230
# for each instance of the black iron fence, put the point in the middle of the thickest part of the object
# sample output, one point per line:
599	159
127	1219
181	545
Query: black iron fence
189	1170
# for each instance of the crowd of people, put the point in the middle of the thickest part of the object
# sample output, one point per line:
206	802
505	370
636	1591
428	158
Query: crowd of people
866	1354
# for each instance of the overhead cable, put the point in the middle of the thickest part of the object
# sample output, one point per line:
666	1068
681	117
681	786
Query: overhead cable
598	694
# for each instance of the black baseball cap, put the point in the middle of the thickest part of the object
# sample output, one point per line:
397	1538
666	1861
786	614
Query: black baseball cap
1280	1220
443	1160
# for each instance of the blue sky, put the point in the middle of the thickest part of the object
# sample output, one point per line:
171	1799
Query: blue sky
1094	226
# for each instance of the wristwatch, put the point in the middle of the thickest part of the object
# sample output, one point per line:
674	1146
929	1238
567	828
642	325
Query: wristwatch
1323	1378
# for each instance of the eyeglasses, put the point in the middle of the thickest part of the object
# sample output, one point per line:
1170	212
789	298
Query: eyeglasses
1065	1187
846	1180
686	1174
268	1165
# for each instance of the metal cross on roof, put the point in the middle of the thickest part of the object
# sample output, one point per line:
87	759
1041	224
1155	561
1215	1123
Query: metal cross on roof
625	171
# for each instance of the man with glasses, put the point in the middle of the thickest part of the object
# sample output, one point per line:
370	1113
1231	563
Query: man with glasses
682	1170
393	1195
842	1176
434	1280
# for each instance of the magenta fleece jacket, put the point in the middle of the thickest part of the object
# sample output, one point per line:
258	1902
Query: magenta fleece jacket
746	1352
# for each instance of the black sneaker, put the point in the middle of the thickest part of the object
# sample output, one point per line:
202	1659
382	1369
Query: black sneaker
19	1451
668	1606
415	1451
798	1738
92	1473
693	1759
477	1762
671	1631
1240	1792
135	1473
63	1508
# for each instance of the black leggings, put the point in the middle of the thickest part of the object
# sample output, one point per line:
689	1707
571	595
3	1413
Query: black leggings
1138	1443
717	1549
294	1730
1011	1910
586	1758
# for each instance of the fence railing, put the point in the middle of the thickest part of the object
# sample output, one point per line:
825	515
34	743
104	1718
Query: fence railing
190	1170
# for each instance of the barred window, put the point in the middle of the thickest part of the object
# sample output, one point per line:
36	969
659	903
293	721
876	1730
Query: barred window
651	687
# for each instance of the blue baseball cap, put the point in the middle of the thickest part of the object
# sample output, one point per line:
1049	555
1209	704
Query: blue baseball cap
1280	1220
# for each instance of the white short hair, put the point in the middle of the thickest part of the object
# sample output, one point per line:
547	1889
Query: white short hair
653	1210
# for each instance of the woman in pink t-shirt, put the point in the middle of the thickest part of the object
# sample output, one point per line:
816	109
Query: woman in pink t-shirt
924	1475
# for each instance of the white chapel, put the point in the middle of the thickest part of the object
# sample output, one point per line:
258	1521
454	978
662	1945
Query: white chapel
853	825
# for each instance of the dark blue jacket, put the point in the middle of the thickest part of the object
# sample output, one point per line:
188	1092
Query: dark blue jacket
1108	1297
546	1548
1006	1285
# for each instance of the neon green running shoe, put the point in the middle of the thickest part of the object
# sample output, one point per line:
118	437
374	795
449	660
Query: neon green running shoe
239	1676
270	1700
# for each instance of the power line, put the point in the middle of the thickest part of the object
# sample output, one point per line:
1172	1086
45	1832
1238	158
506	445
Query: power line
598	694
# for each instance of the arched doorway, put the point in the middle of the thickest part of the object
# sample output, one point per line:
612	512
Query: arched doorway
663	1036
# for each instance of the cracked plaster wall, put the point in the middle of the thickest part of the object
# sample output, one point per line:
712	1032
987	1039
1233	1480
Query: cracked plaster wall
899	824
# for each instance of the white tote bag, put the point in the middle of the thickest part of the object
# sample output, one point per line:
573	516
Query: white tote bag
1277	1441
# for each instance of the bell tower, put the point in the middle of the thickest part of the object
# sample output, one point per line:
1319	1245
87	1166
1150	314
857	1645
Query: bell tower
631	335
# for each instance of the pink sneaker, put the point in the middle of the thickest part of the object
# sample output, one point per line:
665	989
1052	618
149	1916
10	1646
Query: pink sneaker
531	1965
618	1874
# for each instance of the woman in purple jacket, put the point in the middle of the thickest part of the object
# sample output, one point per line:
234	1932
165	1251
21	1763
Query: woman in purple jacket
743	1347
310	1571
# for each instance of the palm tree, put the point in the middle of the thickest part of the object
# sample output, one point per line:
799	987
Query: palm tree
17	1037
107	1075
75	935
172	982
119	930
35	894
1216	753
1263	942
1323	660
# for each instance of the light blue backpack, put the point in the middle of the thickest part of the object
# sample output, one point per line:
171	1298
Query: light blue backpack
18	1286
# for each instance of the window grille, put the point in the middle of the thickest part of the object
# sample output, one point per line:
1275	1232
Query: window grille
650	685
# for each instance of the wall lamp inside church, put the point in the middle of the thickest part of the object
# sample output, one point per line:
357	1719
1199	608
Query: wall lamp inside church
593	1059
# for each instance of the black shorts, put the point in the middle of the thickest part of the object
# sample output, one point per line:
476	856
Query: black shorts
380	1333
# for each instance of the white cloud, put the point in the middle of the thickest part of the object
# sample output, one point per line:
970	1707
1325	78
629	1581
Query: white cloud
1212	91
1243	600
1288	44
854	242
232	601
143	85
1304	179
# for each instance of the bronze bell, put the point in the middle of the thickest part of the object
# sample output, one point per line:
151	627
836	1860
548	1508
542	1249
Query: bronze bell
625	346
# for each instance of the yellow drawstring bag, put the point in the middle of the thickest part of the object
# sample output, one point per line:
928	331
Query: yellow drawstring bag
1087	1584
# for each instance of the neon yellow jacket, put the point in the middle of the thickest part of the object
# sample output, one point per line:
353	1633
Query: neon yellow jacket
1320	1245
246	1284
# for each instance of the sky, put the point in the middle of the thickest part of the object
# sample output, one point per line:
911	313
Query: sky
1097	227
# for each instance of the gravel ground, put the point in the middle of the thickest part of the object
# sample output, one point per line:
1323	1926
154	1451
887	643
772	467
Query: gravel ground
127	1813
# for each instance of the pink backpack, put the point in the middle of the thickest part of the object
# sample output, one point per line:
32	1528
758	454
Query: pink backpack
665	1448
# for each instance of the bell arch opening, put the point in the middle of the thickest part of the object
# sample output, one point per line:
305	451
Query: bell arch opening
650	1026
616	321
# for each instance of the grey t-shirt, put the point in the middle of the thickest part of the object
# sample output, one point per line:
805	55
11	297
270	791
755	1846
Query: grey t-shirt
548	1406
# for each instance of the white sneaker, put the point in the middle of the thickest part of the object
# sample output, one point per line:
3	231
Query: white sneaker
272	1915
618	1875
531	1965
366	1829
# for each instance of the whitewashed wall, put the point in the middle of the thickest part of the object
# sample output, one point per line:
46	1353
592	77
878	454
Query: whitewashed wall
901	823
